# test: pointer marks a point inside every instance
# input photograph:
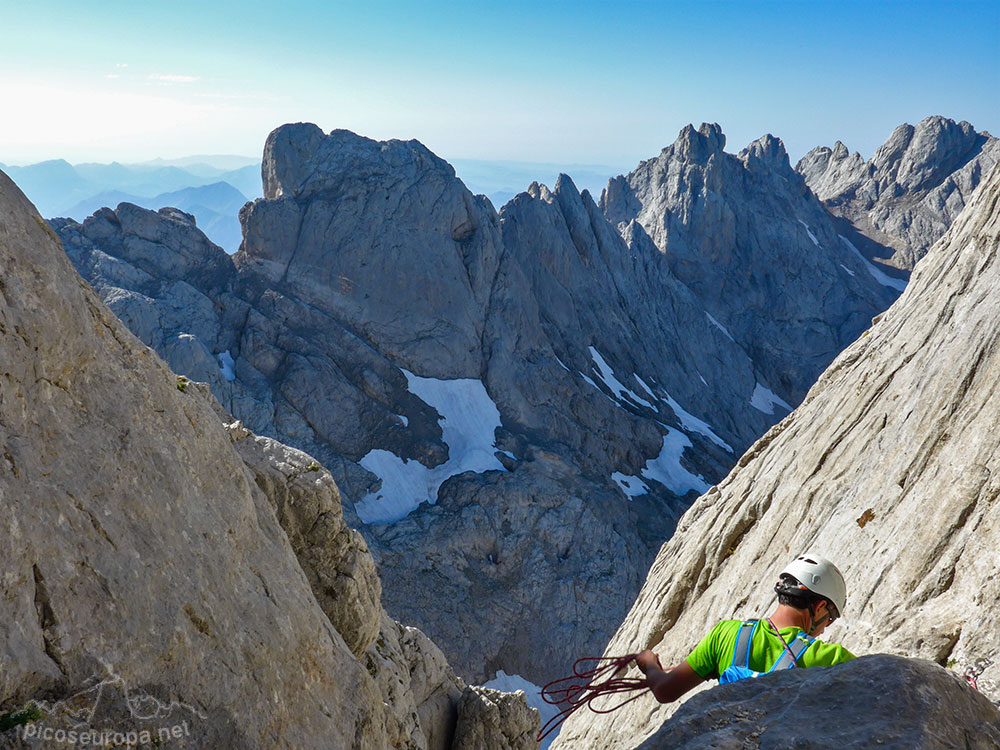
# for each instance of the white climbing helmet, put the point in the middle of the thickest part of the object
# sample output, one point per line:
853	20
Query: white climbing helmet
820	576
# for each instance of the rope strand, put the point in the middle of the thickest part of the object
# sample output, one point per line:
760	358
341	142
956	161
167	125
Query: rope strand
599	681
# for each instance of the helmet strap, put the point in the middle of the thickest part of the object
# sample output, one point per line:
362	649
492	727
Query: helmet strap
817	623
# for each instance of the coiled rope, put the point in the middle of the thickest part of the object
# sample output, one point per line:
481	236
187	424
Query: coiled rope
585	686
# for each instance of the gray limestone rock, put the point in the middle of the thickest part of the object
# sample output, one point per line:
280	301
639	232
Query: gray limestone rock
757	250
488	718
889	467
908	194
874	701
335	558
137	542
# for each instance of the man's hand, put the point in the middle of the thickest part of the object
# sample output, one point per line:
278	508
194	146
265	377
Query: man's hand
647	659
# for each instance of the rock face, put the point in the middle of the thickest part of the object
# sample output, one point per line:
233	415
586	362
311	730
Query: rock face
889	467
908	194
152	556
494	719
757	249
883	701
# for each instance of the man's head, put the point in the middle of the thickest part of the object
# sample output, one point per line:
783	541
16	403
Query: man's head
811	582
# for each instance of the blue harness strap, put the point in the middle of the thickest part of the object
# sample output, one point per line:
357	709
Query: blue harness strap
740	668
790	655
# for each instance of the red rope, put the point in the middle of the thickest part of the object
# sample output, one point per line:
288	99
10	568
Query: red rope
599	681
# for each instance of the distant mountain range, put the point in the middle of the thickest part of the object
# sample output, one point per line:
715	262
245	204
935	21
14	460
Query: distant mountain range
212	188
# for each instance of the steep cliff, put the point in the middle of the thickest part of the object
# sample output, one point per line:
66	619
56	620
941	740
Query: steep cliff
889	467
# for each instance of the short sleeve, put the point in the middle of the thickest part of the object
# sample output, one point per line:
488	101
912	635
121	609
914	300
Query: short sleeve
825	655
704	659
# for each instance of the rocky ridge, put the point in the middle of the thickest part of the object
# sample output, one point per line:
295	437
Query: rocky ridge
888	467
905	197
192	569
756	248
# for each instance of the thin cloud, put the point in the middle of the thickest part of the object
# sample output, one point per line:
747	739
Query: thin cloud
174	78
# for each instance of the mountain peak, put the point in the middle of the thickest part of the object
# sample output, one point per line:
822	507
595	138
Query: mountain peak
699	145
769	150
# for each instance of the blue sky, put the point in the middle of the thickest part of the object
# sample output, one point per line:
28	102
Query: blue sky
575	83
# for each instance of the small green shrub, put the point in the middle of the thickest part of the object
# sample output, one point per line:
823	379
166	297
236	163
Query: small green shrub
17	718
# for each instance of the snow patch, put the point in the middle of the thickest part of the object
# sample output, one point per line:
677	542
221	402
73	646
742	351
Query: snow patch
811	235
847	269
721	327
562	365
667	470
227	365
692	423
630	485
401	418
645	387
764	399
469	419
606	374
882	278
511	683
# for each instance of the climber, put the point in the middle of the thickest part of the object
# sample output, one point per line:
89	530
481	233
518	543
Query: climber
811	595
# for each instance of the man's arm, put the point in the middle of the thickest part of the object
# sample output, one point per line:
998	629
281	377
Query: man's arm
667	685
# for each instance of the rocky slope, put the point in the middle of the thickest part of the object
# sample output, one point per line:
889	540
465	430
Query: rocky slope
161	570
757	249
889	467
908	194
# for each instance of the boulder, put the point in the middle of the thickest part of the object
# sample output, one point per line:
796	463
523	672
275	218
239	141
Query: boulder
875	701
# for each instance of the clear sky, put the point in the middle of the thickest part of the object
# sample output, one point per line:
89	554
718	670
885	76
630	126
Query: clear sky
570	82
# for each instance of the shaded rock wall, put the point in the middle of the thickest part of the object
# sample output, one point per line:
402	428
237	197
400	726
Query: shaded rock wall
756	248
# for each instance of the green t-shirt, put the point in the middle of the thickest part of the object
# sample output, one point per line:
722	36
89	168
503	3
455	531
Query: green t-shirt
714	654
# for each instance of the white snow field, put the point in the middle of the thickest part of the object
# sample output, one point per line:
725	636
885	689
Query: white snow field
469	418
